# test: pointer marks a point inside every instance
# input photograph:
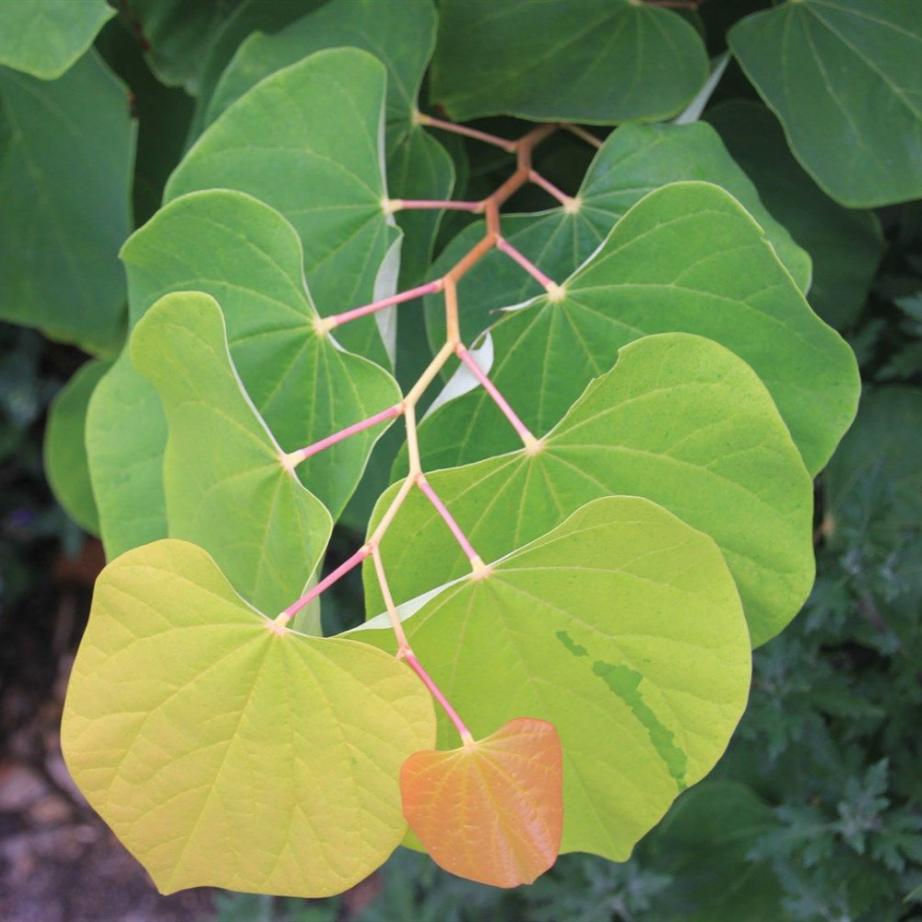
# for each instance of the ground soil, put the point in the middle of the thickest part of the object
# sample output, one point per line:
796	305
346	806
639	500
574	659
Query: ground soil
58	860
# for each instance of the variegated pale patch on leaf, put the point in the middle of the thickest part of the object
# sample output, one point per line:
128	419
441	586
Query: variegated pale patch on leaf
623	628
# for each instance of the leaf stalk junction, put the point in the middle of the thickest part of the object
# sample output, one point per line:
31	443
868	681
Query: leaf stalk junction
490	207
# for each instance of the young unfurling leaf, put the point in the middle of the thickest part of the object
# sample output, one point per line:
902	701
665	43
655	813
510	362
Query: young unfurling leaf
491	811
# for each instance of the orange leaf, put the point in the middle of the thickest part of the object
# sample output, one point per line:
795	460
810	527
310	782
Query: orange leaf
491	811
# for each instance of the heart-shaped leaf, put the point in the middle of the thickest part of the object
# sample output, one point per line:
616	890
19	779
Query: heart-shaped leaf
491	811
577	60
843	77
288	143
621	627
300	380
227	751
679	420
685	258
125	431
227	485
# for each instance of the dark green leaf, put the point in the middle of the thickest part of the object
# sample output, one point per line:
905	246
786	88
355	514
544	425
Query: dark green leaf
66	155
600	61
846	245
843	76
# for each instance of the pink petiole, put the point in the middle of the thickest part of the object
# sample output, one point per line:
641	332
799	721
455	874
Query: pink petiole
302	454
524	432
420	291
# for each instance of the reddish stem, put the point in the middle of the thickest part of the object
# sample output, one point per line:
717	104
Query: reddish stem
583	135
404	204
465	734
535	177
510	414
525	263
302	454
336	320
467	132
324	584
449	519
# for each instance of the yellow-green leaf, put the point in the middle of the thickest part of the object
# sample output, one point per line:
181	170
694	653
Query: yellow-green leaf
622	627
226	752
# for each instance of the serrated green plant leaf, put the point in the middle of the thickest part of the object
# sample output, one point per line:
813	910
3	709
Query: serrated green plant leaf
66	157
874	482
846	245
65	447
688	258
602	61
843	77
227	484
679	420
634	160
224	751
44	38
705	840
402	36
308	140
622	628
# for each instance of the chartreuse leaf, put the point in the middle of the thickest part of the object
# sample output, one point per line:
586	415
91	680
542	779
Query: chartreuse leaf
45	37
689	258
225	751
65	448
308	141
402	36
248	257
634	160
846	245
492	810
623	629
66	156
227	485
679	420
580	60
843	77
